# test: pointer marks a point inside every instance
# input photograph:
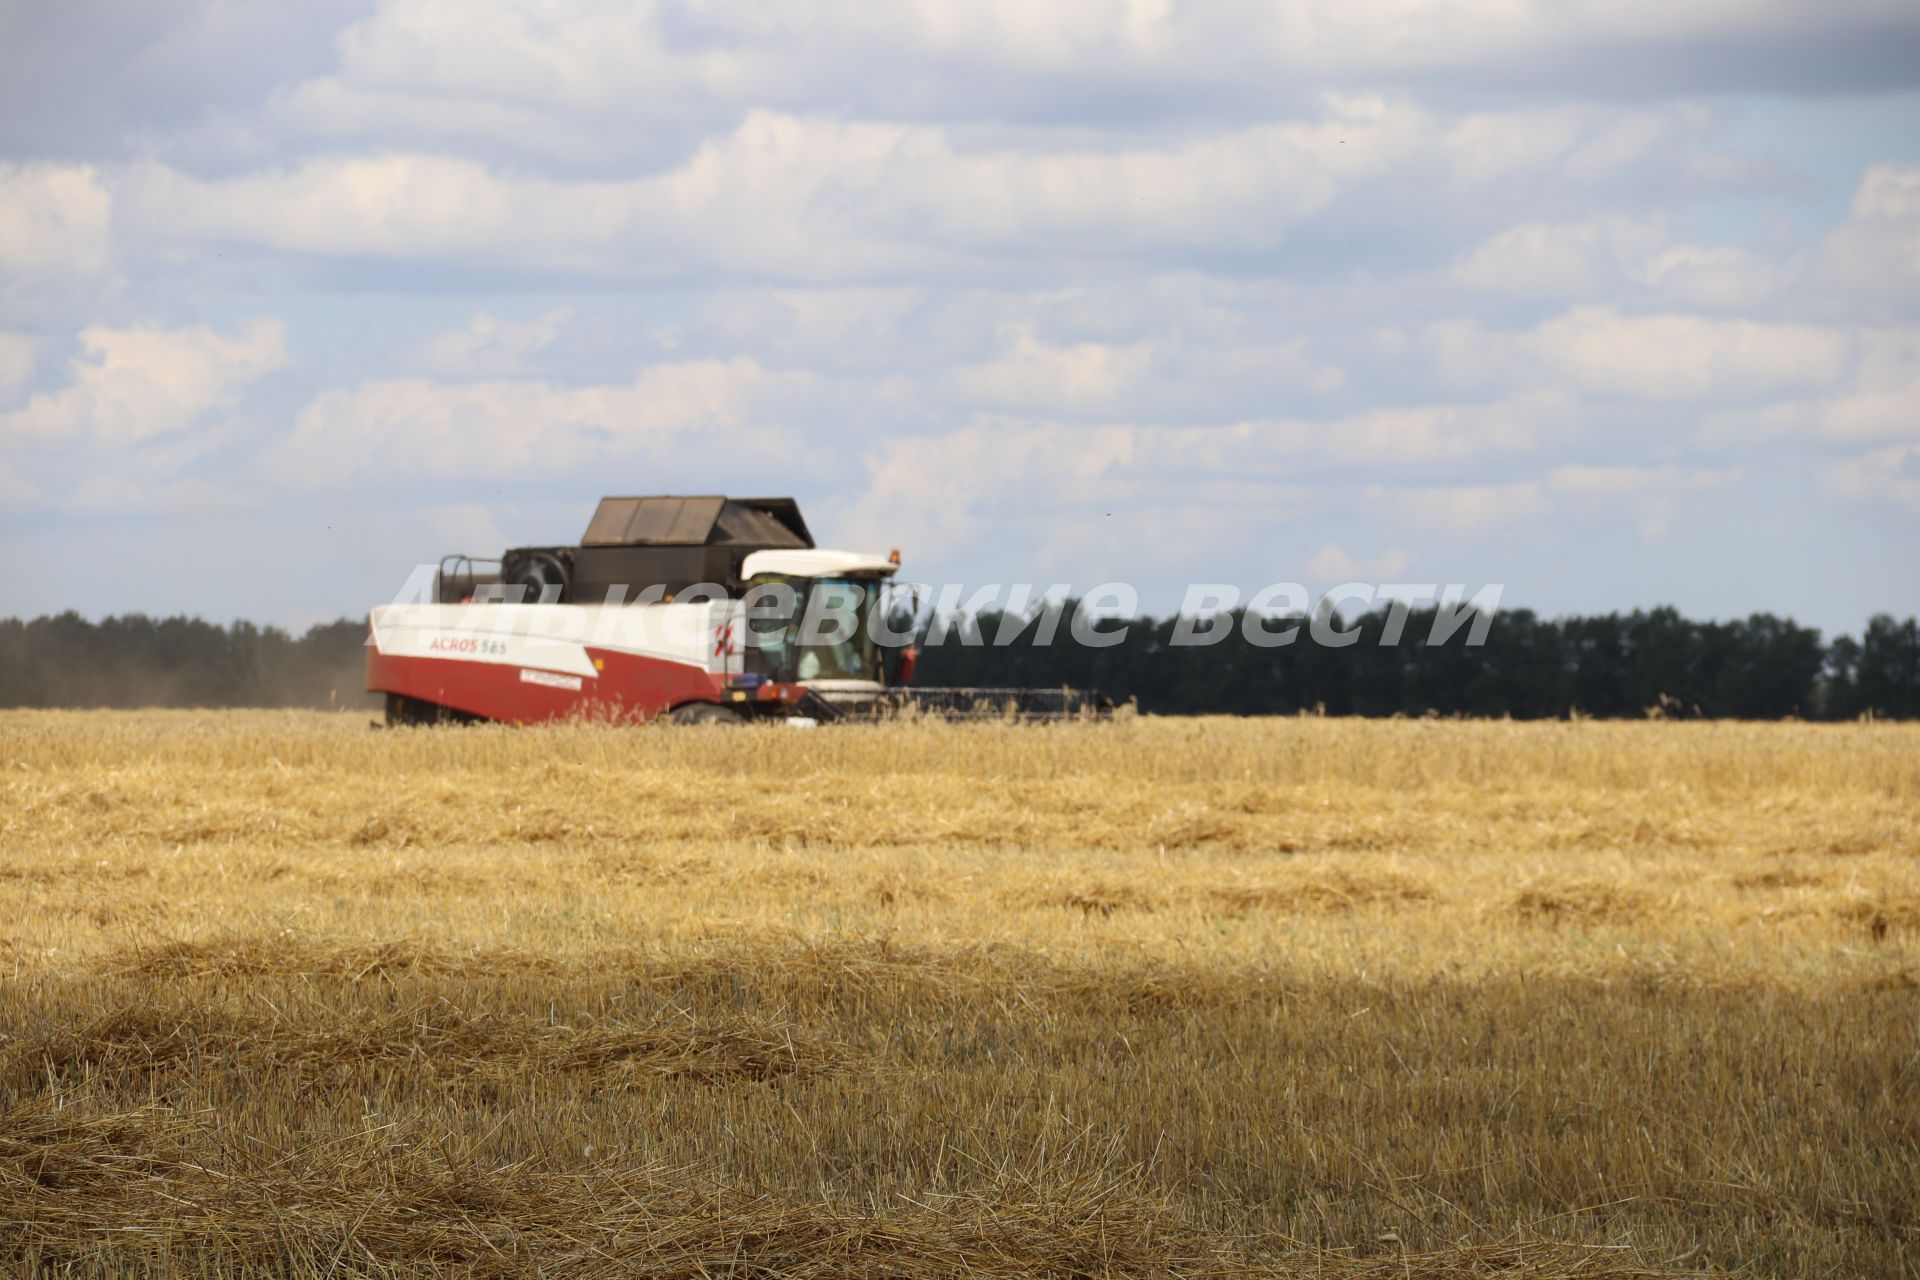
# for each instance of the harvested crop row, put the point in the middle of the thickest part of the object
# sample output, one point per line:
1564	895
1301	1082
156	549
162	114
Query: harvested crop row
282	995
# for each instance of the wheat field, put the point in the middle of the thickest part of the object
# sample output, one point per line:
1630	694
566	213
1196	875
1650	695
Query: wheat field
285	995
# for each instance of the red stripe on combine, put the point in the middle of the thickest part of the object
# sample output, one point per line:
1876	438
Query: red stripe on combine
629	686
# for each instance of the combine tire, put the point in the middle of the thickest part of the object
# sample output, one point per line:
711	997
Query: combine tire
705	713
402	710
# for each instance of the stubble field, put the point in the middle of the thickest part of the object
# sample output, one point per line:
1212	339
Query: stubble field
281	994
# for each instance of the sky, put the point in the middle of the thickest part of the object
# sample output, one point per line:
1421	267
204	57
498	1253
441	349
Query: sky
1614	303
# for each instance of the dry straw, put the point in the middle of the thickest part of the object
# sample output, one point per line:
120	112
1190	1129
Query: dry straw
286	996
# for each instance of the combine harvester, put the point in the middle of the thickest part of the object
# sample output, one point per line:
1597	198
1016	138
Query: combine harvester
702	609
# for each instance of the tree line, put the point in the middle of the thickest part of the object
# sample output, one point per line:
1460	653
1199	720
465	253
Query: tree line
1648	662
137	661
1620	664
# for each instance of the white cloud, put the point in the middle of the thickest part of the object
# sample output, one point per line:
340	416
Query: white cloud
1424	435
1884	401
1667	357
131	385
579	54
1556	260
1875	253
1606	257
471	525
1608	482
19	352
939	491
1615	256
1232	363
1888	192
1878	402
953	488
1331	563
402	431
1648	496
1579	146
119	494
958	486
418	61
1591	353
1035	377
794	196
54	219
1718	277
825	327
1490	145
1788	380
490	346
353	205
337	112
1414	35
1885	475
16	491
1628	138
1464	354
1458	509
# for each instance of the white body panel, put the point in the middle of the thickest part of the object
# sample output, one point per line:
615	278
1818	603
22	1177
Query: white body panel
555	637
816	562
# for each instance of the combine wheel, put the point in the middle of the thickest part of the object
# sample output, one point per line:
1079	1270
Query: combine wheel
402	710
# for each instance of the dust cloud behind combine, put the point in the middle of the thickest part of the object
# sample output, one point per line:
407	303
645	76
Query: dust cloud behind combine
1163	996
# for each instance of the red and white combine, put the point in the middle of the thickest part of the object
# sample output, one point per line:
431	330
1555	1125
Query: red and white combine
698	608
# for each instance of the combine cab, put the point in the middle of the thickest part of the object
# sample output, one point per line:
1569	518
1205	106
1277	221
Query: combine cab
700	608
